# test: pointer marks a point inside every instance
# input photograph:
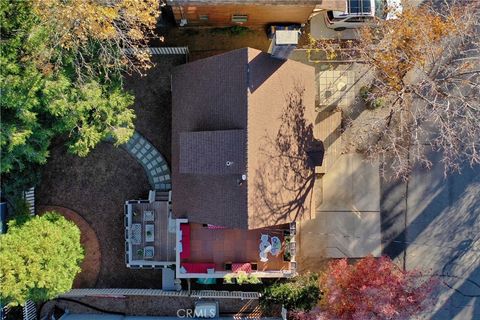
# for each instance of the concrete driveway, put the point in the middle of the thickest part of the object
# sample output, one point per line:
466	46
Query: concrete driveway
433	223
347	220
319	29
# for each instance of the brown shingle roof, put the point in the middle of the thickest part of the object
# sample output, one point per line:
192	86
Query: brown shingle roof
216	99
213	152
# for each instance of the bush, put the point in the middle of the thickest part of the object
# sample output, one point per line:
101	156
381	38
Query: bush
39	258
377	103
233	30
367	93
301	293
364	92
241	278
244	277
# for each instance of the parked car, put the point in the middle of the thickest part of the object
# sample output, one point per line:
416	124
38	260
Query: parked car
361	12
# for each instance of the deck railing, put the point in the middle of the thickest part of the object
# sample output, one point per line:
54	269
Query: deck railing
157	292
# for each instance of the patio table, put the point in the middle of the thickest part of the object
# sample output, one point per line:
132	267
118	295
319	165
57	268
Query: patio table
148	216
265	246
149	233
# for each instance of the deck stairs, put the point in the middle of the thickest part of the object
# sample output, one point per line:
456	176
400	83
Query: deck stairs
155	195
162	196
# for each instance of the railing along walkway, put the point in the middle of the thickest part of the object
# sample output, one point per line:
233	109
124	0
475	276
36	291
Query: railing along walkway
157	292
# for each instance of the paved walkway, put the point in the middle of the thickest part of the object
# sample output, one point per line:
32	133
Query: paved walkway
320	31
151	160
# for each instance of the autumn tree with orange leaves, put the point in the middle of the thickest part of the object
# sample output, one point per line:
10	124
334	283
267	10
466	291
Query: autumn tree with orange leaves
102	36
425	73
61	75
425	65
372	288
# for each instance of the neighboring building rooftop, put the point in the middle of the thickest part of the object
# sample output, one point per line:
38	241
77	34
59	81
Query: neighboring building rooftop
247	114
243	2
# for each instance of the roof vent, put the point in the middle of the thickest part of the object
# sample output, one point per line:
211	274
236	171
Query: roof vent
229	163
241	179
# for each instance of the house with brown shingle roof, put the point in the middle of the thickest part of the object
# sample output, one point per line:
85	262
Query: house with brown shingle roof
243	160
242	164
241	126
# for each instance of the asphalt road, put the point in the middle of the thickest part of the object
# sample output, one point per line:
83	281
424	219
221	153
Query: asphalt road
433	223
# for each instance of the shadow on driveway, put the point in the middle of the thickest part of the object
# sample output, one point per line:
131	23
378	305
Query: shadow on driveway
433	223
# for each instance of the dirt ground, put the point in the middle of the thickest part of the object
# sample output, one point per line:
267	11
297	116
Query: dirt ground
153	102
97	186
205	42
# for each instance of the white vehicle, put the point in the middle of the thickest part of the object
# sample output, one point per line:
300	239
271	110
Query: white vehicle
361	12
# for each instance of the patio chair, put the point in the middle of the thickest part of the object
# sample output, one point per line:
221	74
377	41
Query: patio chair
264	237
276	246
136	233
263	256
148	252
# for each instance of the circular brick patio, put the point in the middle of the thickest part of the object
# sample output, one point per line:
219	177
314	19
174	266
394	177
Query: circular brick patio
87	278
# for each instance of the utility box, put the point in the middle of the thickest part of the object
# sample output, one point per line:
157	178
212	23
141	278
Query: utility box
283	43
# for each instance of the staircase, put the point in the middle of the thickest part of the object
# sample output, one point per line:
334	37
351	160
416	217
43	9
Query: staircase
158	196
162	196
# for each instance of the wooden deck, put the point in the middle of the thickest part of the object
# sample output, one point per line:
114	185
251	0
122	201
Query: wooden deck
233	245
164	241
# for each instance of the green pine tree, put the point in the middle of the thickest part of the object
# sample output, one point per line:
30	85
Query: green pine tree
39	258
40	100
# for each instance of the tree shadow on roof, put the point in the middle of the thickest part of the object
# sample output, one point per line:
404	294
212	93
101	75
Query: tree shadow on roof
261	68
284	178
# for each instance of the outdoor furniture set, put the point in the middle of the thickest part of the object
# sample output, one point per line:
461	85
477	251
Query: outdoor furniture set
184	250
268	245
271	245
148	229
